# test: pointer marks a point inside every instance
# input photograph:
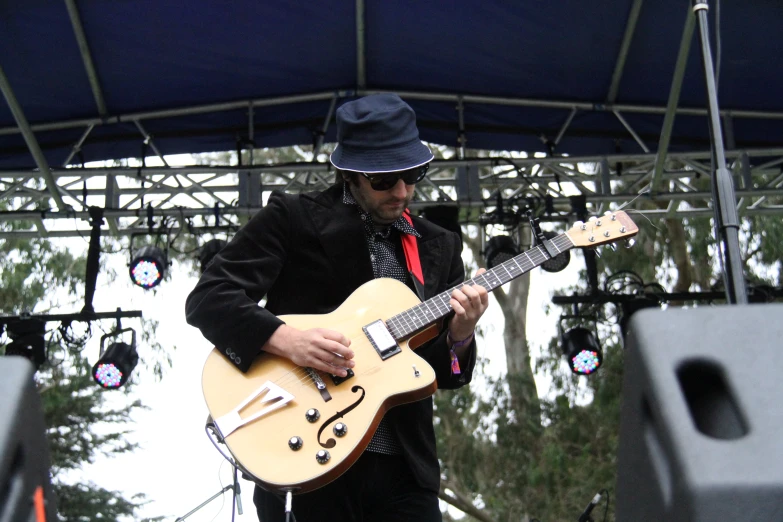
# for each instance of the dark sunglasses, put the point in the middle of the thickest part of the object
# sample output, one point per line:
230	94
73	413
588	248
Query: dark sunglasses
387	180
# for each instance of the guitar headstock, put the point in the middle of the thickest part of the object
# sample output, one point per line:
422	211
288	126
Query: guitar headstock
611	227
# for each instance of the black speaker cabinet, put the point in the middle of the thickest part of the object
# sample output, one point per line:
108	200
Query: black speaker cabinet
25	489
701	429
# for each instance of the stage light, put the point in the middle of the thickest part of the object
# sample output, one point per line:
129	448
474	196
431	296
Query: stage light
148	266
499	250
27	340
582	351
559	262
209	251
580	346
116	363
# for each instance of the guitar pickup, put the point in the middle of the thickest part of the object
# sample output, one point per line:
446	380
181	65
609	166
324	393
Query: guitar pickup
381	339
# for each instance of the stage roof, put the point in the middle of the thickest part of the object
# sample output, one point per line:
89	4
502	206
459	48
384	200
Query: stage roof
523	73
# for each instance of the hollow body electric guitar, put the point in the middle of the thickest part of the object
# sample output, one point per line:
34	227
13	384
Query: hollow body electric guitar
297	429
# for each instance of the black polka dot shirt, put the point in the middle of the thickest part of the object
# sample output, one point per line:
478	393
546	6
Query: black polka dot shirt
381	243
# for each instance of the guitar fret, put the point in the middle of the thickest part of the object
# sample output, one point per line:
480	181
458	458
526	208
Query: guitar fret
429	311
510	277
411	320
492	272
420	317
427	304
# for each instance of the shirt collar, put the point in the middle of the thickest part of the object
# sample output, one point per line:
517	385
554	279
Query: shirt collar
400	224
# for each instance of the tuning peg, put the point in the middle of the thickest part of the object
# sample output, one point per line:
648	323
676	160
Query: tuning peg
613	246
597	252
608	213
578	224
629	242
592	218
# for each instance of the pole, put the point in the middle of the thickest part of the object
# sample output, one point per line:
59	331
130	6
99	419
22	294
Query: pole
724	198
210	499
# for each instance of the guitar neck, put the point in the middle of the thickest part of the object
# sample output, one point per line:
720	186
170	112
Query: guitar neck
424	314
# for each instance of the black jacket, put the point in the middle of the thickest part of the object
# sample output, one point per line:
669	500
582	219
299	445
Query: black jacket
307	253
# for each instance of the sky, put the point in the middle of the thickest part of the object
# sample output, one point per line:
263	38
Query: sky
176	465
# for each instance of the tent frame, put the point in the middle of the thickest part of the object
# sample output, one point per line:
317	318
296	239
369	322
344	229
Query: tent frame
233	192
195	195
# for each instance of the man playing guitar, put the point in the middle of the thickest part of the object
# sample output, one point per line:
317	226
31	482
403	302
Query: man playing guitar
307	254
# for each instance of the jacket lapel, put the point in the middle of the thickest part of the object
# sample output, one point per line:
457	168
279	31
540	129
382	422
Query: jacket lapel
341	234
431	263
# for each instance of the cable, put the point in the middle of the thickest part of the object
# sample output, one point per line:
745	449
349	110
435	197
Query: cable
631	279
222	497
73	341
606	508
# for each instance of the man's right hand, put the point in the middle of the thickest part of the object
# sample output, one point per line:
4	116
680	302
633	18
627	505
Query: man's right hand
318	348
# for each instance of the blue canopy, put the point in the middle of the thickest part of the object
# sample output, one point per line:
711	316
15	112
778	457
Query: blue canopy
189	72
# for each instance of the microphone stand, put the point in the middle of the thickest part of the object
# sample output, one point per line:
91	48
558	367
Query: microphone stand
723	195
235	503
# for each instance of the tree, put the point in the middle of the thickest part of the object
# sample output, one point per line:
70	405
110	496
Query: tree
37	275
501	463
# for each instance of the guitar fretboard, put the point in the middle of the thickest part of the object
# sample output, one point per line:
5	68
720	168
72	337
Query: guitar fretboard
422	315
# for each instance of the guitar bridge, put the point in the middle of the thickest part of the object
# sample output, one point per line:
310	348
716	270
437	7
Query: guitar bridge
232	421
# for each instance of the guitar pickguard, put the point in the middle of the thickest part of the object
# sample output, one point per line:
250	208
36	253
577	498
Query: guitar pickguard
232	421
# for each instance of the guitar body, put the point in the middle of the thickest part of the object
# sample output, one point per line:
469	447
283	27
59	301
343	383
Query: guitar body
262	447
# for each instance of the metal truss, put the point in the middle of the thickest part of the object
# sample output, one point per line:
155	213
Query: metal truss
52	202
223	197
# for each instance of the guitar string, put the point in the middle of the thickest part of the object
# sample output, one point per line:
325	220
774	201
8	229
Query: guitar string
409	320
633	211
300	376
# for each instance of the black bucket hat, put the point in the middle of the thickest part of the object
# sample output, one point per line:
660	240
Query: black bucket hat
377	134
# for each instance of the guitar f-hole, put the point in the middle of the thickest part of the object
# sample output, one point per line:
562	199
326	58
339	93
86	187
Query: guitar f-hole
330	442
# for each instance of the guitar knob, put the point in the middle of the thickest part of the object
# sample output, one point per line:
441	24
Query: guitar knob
322	457
312	415
295	443
340	429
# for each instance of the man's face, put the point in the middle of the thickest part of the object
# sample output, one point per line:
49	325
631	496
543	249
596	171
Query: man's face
385	206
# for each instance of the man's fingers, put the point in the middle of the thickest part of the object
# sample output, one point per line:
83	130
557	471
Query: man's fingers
323	366
333	335
471	293
458	307
335	342
334	347
336	359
